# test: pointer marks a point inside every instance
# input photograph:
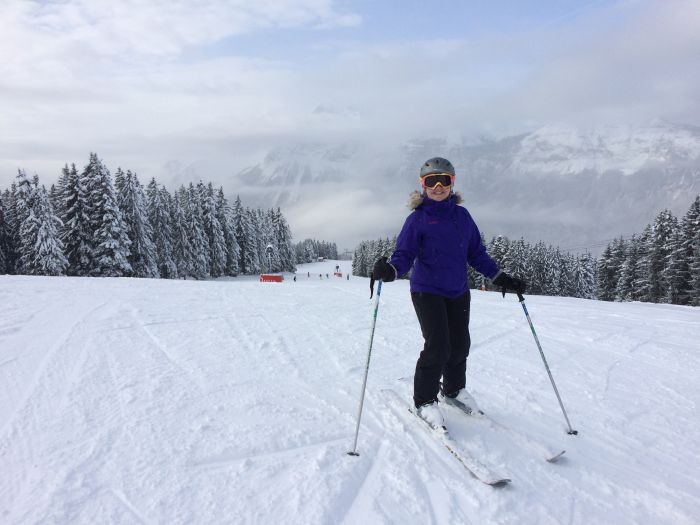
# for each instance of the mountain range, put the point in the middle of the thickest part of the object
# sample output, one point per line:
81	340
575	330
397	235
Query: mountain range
572	187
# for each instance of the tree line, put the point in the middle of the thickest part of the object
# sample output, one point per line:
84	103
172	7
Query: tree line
547	270
660	265
91	224
309	250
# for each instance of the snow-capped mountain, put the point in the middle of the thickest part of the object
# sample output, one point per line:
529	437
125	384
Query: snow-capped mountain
561	184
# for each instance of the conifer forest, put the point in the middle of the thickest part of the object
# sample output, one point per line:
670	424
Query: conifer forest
659	265
92	224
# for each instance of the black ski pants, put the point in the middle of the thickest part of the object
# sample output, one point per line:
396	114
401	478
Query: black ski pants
444	323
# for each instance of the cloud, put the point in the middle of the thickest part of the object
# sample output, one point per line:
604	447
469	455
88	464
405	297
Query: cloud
149	82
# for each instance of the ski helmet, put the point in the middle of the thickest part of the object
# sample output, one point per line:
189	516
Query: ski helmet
437	165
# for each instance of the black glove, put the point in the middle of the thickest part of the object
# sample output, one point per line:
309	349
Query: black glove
506	282
383	271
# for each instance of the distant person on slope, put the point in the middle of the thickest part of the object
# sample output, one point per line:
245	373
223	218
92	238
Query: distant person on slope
439	239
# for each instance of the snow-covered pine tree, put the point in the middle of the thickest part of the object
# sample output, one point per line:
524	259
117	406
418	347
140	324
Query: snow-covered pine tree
75	232
497	249
661	247
132	204
239	218
642	287
283	239
182	248
265	238
250	256
48	257
26	222
519	254
537	277
691	240
605	276
11	229
358	259
625	281
55	198
553	272
225	216
584	276
58	196
192	207
674	270
110	243
160	218
689	256
213	230
3	238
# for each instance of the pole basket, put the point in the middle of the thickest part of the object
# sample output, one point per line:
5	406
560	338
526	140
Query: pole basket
271	278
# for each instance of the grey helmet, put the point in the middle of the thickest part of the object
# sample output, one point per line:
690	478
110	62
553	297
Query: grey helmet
437	165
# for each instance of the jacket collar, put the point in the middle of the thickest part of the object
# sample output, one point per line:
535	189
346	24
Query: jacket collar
417	199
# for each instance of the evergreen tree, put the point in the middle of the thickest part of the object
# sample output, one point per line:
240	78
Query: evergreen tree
27	225
553	272
643	285
624	289
688	271
47	257
584	276
283	240
132	204
239	218
497	249
213	230
110	243
660	249
75	232
182	248
200	254
537	276
3	238
160	218
250	259
225	217
11	229
604	284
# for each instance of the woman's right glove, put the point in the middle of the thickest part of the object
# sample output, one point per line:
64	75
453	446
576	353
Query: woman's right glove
383	270
506	282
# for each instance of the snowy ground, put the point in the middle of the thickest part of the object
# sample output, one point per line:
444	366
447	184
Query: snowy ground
232	401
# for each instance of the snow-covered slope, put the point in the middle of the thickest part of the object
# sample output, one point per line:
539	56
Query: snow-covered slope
233	401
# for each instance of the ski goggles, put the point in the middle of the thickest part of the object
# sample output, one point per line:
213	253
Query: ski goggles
437	179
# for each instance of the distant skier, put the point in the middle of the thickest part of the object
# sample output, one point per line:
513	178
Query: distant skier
439	239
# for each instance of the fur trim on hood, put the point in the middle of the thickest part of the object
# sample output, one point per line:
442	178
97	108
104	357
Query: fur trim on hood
416	199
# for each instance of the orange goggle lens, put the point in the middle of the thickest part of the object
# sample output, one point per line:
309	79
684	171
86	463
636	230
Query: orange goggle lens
435	179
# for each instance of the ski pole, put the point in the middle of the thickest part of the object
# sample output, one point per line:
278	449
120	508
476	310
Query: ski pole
369	355
539	346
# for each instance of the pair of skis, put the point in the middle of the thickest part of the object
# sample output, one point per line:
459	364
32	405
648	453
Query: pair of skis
477	468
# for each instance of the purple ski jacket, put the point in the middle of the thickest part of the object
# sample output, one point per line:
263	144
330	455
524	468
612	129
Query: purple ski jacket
439	240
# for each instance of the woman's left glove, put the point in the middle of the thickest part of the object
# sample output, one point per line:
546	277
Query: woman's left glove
383	270
506	282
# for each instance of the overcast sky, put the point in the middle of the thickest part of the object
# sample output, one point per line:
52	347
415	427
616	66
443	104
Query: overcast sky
146	83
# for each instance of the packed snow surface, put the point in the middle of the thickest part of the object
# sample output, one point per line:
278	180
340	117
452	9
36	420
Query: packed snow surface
234	401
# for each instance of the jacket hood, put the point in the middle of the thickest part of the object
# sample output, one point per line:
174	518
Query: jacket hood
416	199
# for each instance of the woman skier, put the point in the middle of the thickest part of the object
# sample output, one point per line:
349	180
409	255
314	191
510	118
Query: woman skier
439	239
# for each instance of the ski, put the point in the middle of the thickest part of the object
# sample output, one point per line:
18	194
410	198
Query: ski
549	455
442	436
